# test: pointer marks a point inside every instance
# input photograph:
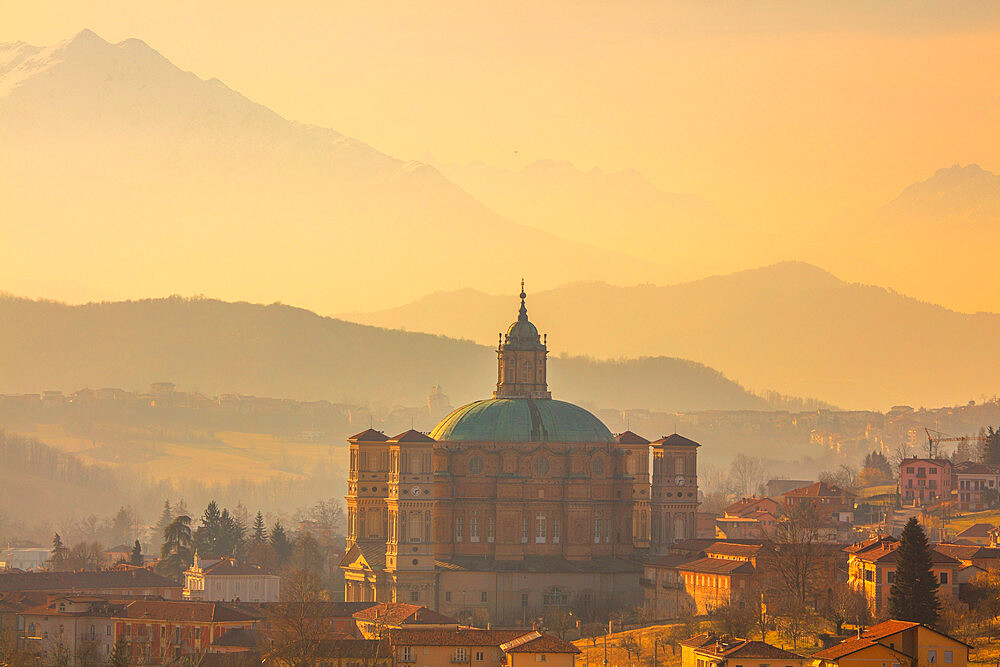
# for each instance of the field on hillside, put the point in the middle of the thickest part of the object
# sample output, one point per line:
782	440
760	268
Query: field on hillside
209	458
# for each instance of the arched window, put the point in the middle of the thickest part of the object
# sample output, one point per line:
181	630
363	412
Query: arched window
598	467
475	465
541	466
554	596
679	465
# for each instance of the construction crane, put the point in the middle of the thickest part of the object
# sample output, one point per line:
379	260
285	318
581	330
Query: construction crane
933	441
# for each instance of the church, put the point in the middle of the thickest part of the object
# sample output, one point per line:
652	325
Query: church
514	505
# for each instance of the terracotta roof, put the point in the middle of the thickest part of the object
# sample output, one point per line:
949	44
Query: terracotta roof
401	613
369	435
676	440
68	581
238	638
537	642
412	436
670	560
886	628
846	647
630	438
732	647
817	490
698	641
746	506
977	530
870	543
972	468
171	610
230	567
18	601
717	566
459	637
731	549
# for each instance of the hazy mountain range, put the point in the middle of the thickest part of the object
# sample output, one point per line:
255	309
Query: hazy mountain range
276	350
137	178
789	325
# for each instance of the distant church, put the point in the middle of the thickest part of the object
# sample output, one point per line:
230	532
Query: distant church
515	504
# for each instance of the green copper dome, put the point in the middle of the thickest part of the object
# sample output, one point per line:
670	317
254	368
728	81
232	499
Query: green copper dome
521	420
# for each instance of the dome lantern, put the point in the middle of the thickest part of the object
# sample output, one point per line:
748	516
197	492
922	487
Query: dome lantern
521	359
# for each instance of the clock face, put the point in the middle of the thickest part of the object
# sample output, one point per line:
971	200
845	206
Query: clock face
415	491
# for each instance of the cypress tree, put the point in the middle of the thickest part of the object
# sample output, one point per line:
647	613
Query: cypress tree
914	592
59	554
136	557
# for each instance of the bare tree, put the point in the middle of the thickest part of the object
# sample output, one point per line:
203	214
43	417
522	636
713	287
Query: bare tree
793	556
296	625
748	475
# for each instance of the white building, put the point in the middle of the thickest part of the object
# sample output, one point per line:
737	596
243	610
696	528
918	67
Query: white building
226	580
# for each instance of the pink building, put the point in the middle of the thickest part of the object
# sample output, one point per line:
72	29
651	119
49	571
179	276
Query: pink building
925	481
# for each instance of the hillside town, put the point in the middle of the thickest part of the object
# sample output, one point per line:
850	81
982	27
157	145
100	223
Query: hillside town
521	529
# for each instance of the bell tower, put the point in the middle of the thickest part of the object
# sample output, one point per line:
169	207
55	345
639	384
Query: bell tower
521	359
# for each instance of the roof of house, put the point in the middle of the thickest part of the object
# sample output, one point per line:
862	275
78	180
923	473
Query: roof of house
817	490
847	647
887	551
174	610
733	549
977	530
354	648
893	626
239	638
717	566
538	642
231	567
745	506
456	637
669	560
68	581
732	647
402	613
870	543
944	463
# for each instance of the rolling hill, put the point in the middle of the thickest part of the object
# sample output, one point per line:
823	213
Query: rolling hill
278	350
789	325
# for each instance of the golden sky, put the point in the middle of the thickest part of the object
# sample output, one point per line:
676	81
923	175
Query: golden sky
784	114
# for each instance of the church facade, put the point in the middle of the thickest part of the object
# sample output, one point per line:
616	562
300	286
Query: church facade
513	505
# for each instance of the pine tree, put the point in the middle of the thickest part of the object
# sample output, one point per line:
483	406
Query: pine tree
282	545
259	529
208	536
991	445
57	561
914	592
136	557
166	516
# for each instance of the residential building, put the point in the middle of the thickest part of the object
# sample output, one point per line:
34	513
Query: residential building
473	646
514	505
977	533
895	643
31	558
121	581
711	650
226	579
831	502
871	568
374	622
925	481
747	519
978	486
80	627
719	574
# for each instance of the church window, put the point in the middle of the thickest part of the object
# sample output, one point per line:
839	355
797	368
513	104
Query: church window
598	467
556	529
491	528
474	526
524	599
414	596
554	596
524	530
541	466
679	465
475	465
597	528
427	526
459	520
607	530
540	529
